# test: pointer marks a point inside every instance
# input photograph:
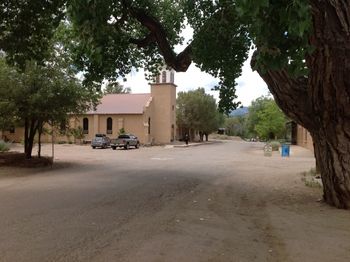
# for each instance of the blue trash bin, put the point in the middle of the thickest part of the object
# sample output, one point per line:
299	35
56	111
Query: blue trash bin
285	150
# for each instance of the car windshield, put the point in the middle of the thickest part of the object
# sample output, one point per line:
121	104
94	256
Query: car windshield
123	136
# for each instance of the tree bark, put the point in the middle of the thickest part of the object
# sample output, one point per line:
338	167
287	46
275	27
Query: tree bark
201	135
40	131
321	102
31	126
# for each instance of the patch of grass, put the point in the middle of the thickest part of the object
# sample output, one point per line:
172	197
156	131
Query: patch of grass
4	147
313	184
310	178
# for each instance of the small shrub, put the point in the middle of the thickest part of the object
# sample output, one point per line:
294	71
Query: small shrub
122	131
275	145
62	142
311	178
4	147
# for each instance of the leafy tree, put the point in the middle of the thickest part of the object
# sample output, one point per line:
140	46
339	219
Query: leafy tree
197	111
265	119
301	53
77	133
42	95
121	131
116	88
256	106
271	121
27	28
236	126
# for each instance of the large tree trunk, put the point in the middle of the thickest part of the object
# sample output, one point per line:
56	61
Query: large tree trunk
40	131
330	85
321	102
30	129
334	164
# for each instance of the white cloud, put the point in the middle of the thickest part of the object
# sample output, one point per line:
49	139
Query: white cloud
250	84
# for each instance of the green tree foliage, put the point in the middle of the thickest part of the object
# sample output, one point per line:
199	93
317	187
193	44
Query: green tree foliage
265	119
198	111
236	126
116	88
110	37
40	95
27	28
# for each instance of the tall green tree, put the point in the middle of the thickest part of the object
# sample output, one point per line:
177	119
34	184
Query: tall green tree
236	126
265	119
197	111
302	53
41	95
271	122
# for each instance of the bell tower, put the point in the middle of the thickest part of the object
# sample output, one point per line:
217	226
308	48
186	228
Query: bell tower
163	93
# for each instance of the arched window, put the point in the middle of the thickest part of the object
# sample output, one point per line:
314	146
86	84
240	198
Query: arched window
85	125
109	125
172	77
164	77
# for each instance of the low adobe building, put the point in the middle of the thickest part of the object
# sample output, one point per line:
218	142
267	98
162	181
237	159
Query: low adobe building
301	136
151	117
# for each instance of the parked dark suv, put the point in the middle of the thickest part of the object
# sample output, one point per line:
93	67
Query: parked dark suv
100	140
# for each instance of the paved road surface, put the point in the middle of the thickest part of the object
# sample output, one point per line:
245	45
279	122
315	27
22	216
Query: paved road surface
219	202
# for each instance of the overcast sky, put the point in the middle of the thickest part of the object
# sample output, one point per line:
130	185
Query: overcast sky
250	85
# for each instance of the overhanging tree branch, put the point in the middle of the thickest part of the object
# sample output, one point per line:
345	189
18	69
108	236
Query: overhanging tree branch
179	62
291	94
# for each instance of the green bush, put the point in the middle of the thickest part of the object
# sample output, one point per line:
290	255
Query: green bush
4	146
275	145
122	131
62	142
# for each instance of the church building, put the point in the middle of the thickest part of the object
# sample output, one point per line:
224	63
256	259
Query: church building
151	116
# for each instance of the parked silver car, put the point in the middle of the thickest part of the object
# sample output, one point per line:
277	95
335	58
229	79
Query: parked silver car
100	140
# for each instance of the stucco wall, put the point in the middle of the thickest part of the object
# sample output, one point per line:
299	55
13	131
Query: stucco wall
17	136
98	124
304	138
163	120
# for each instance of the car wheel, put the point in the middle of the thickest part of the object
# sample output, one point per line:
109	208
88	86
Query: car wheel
137	145
93	147
114	148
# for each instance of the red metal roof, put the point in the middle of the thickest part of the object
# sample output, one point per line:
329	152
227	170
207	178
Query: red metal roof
122	104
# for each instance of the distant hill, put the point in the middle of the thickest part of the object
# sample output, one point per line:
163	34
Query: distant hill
240	111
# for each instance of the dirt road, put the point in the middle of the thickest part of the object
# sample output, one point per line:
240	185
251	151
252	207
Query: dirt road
219	202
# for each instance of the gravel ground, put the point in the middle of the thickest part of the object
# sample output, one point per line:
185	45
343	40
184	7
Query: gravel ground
217	202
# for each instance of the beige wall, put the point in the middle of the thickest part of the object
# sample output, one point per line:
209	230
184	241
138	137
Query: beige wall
17	136
304	138
163	119
98	125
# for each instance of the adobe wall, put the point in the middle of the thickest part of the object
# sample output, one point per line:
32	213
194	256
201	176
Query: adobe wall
304	138
163	119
